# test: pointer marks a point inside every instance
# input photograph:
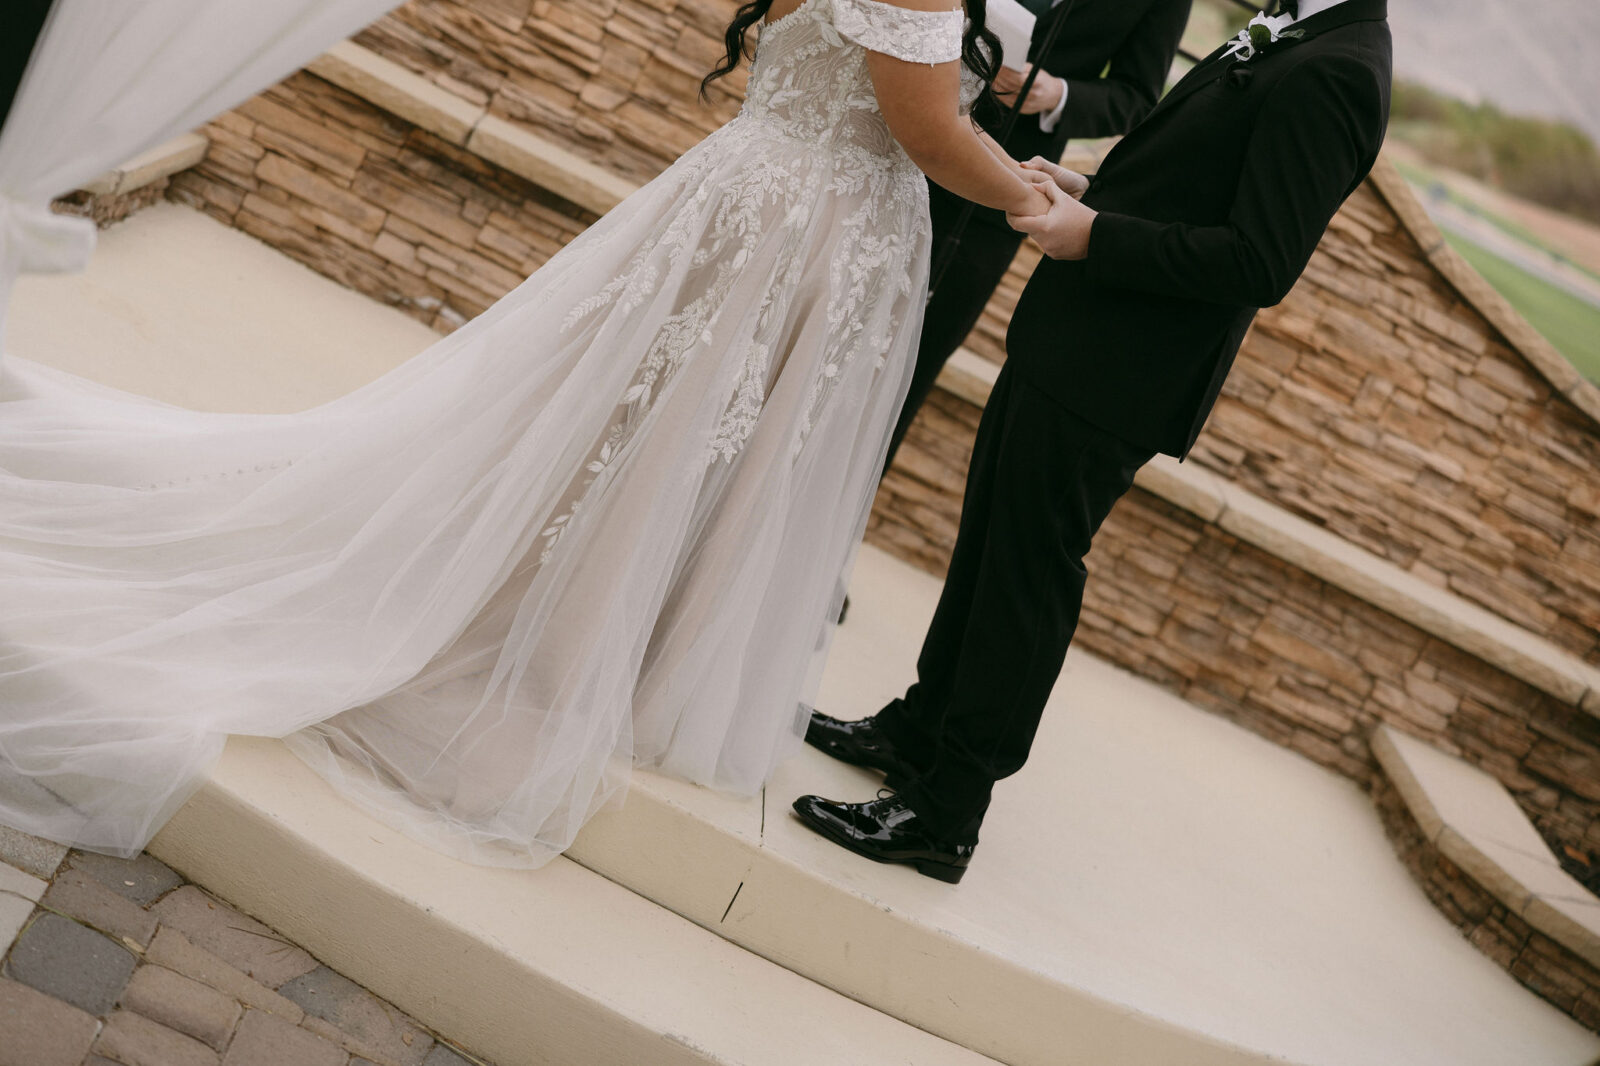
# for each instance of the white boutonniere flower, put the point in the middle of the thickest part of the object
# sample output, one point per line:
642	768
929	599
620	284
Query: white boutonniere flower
1263	30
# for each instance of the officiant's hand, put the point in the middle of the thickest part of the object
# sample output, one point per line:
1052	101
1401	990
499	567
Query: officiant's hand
1068	181
1062	231
1043	97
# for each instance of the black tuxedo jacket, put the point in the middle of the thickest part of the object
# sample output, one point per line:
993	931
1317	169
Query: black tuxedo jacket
1208	210
1130	42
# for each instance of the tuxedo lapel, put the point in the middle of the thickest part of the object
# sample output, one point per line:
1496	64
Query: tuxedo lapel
1200	75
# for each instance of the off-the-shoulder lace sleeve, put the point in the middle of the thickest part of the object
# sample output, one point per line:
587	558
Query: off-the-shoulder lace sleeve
913	36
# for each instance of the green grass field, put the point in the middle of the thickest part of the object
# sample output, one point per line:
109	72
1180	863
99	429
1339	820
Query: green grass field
1423	179
1571	324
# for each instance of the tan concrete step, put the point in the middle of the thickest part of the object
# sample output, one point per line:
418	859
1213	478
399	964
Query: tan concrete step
551	966
1156	886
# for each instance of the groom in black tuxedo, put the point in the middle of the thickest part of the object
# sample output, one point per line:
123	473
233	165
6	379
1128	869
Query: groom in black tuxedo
1102	74
1206	212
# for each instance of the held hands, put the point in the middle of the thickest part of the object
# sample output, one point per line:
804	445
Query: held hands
1062	230
1043	97
1068	181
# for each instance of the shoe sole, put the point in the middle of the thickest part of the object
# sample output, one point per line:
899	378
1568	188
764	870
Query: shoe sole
939	871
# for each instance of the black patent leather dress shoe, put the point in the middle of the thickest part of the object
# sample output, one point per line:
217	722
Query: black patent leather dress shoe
886	830
859	744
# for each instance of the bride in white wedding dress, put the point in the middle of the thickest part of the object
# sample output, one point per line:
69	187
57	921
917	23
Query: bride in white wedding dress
601	525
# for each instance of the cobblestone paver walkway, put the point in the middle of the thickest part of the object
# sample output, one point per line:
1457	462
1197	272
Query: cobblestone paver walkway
109	962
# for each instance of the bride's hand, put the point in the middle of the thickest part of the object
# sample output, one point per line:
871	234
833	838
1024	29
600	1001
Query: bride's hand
1068	181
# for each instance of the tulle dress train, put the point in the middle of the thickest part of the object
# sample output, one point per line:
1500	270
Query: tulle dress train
601	525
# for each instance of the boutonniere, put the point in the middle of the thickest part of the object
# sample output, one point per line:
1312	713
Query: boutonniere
1263	30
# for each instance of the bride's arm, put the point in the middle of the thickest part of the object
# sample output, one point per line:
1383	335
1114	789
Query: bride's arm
921	104
1005	157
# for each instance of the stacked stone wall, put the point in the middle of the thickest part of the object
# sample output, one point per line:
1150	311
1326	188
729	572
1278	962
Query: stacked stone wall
1378	403
396	212
1239	631
376	203
108	210
615	81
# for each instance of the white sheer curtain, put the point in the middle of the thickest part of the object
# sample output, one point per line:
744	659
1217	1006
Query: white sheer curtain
112	78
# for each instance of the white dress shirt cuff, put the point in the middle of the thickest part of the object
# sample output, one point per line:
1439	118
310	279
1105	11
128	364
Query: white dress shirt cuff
1048	119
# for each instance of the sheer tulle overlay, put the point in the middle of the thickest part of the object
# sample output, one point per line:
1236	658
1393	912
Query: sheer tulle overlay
603	524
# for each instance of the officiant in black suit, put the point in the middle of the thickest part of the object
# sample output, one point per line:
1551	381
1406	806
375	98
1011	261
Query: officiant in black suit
1205	212
1102	74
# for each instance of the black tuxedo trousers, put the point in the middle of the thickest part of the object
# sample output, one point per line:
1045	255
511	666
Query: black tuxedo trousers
1041	482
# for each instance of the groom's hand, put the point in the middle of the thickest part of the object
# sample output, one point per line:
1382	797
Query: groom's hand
1068	181
1062	231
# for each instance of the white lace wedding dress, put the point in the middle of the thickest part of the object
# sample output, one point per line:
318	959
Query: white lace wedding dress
601	525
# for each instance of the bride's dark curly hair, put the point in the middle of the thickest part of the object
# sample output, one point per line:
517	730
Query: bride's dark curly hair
977	57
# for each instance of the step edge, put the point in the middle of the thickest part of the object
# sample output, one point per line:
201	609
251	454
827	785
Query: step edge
618	846
223	838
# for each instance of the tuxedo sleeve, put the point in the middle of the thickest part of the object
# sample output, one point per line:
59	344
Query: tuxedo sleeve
1314	139
1114	104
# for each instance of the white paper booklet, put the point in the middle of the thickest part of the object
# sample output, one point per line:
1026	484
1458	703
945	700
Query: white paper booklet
1013	24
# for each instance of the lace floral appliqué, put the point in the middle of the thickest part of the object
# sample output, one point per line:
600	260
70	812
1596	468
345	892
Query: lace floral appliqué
809	187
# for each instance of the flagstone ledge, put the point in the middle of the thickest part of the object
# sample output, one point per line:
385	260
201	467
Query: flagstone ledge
134	185
144	169
386	84
398	91
1467	818
1344	565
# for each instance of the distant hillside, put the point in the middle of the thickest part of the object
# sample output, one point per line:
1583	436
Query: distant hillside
1551	163
1527	57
